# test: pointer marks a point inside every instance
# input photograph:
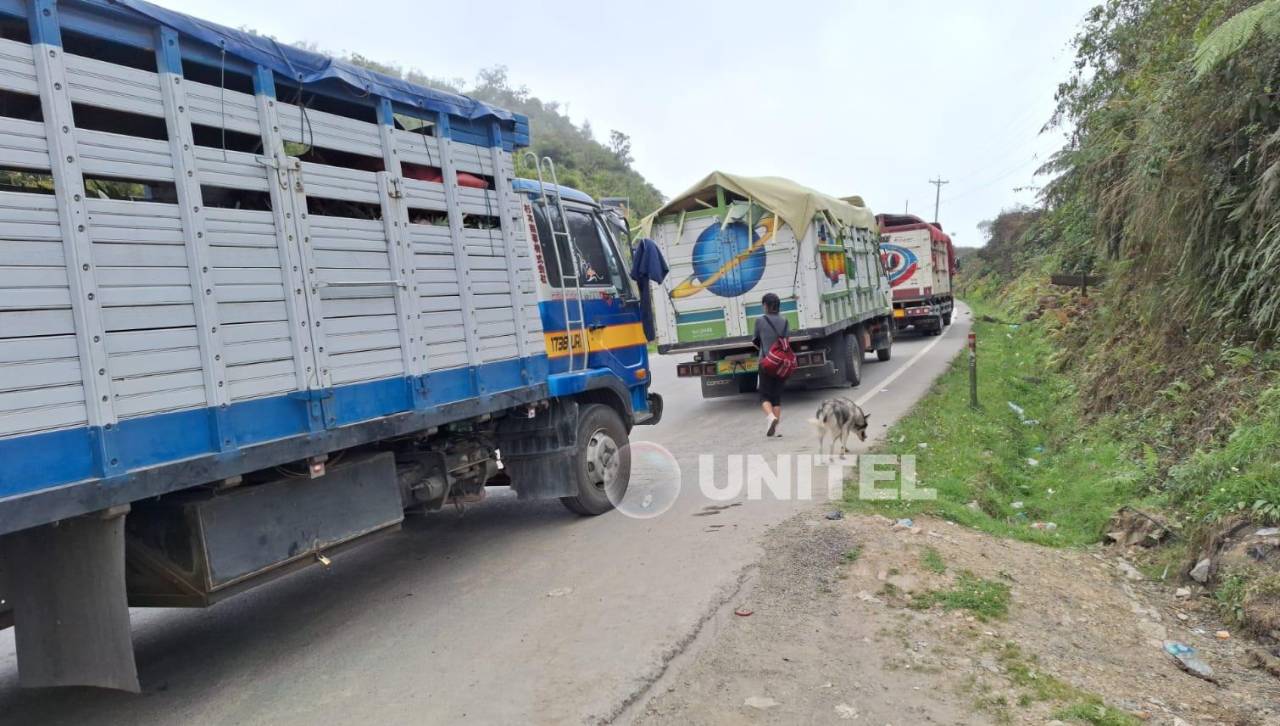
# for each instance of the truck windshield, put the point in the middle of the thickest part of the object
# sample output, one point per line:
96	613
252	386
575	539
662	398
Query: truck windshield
598	266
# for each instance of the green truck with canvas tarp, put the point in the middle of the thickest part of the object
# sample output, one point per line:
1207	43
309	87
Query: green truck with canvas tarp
729	240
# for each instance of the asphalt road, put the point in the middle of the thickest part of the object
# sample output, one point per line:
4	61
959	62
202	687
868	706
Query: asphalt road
512	612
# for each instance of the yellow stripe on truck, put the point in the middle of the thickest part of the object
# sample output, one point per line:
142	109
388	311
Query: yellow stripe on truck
608	338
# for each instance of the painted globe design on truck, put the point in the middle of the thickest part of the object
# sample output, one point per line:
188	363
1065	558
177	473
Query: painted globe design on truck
725	262
899	262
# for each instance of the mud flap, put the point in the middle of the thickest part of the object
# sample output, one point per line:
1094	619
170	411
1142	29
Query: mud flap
69	603
538	453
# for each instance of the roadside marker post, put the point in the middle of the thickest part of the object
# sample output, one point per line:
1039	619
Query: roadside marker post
973	370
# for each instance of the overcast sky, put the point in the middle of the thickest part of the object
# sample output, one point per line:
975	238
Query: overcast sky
870	98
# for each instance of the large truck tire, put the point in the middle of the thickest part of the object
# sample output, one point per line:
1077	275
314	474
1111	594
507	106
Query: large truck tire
602	463
946	318
853	356
935	326
885	353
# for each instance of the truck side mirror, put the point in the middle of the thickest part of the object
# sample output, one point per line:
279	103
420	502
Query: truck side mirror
618	221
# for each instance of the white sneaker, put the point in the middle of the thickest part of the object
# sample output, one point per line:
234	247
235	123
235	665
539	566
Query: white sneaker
773	425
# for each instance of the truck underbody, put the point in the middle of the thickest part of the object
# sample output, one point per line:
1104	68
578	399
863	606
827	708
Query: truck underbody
826	357
927	315
196	546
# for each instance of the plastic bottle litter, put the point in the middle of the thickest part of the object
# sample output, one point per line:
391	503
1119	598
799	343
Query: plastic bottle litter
1022	414
1046	526
1187	659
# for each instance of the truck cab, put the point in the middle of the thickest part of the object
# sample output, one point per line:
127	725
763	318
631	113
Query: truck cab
591	314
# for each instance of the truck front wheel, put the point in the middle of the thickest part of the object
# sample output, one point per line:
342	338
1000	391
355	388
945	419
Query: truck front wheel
602	463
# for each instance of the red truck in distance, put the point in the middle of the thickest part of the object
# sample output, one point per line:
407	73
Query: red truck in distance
920	261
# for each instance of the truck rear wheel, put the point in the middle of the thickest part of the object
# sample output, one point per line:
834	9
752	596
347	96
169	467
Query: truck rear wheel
885	353
602	464
934	327
853	357
946	319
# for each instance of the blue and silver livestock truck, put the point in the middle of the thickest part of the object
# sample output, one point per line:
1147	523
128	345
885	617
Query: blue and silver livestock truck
255	305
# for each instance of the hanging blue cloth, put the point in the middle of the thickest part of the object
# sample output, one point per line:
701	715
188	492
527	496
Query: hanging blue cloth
647	265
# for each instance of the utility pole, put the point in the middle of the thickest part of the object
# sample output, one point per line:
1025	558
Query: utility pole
906	209
937	196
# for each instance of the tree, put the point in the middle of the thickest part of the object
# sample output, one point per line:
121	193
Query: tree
1227	39
600	170
620	145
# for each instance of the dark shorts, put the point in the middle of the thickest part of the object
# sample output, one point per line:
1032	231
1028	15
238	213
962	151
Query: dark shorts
771	389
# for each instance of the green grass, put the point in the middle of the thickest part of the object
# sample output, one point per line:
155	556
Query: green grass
986	599
1094	711
1025	673
851	555
1079	475
1241	475
931	560
1233	587
1038	686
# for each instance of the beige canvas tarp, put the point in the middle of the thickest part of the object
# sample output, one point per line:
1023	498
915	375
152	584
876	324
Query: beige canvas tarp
796	204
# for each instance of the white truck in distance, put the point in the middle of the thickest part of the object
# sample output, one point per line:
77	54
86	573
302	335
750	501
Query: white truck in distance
729	240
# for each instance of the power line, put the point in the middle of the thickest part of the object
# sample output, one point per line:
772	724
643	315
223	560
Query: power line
966	191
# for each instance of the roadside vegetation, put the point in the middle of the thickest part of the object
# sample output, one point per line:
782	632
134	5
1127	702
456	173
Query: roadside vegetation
1160	389
985	599
1021	461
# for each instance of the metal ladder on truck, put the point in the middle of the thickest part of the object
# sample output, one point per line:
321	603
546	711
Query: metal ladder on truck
575	328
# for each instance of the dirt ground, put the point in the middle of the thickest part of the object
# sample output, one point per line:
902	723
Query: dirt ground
825	632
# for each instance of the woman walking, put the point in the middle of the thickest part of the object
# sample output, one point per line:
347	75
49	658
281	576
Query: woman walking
769	328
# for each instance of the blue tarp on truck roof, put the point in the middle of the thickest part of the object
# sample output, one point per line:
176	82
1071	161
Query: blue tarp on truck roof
304	66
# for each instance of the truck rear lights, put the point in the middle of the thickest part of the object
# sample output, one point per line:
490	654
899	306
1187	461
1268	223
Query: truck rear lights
693	370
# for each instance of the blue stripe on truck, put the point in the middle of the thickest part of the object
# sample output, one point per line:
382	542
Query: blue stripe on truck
55	458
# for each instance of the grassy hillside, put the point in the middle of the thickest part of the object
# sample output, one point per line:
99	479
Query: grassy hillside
1168	188
583	162
1160	389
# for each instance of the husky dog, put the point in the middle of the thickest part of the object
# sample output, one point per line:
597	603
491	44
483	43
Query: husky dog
837	418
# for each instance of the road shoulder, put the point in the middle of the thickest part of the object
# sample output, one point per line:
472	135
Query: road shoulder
853	620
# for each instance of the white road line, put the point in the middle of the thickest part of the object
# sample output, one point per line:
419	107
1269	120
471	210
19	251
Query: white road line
894	376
